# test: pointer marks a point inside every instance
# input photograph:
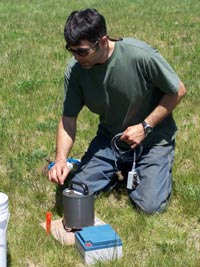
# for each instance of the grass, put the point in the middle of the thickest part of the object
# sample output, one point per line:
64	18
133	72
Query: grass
32	63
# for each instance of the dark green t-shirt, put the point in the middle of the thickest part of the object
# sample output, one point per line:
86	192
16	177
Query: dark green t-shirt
124	90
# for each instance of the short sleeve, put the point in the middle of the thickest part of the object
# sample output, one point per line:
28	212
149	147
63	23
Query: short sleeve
161	74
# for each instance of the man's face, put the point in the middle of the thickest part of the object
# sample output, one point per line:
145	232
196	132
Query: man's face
87	54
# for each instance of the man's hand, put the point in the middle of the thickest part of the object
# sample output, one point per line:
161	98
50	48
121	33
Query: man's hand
59	172
133	135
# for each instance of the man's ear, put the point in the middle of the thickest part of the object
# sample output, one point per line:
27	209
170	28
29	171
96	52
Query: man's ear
104	41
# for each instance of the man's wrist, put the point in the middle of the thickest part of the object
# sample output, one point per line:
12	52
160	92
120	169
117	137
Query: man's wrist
147	128
60	160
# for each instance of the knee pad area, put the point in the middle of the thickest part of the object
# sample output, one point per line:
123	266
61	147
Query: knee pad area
149	207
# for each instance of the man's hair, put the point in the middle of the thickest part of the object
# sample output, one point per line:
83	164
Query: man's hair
86	25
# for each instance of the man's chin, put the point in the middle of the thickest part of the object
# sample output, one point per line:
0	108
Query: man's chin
85	66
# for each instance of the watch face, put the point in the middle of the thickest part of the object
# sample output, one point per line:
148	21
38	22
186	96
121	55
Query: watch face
148	129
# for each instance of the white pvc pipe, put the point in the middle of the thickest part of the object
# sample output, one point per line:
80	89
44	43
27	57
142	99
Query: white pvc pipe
4	218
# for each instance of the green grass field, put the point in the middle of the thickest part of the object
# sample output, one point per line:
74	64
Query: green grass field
32	63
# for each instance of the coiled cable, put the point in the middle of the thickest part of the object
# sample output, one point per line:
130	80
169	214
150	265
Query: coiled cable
124	152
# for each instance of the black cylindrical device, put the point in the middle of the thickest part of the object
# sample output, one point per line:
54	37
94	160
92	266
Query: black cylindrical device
78	206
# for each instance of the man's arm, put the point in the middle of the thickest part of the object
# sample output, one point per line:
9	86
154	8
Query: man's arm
134	135
65	138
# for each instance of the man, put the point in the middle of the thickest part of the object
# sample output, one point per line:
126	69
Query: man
134	91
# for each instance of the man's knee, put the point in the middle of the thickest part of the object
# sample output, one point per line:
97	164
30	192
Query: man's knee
150	206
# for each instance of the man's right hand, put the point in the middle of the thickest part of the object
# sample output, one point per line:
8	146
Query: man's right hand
59	172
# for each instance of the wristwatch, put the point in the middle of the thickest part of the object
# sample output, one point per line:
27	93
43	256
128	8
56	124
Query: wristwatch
147	128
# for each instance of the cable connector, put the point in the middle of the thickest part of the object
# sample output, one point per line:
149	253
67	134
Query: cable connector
133	180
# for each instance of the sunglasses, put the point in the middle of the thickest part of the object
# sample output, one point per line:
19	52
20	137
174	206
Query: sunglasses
82	51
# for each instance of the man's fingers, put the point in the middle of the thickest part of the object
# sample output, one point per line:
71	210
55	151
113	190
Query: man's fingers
58	174
62	175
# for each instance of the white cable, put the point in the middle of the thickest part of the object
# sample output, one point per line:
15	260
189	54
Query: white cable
133	177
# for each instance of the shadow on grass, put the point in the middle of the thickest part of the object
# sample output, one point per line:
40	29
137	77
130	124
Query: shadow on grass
9	261
58	196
